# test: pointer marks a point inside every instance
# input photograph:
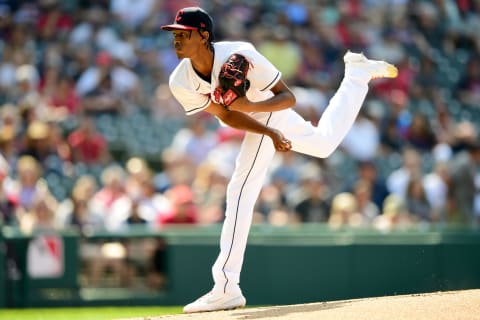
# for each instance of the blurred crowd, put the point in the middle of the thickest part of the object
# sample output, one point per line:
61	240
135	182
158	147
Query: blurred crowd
91	138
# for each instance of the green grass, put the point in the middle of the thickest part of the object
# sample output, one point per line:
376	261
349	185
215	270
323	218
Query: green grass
86	313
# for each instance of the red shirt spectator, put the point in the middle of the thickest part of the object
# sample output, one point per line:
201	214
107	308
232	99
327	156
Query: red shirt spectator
65	96
88	145
53	22
184	210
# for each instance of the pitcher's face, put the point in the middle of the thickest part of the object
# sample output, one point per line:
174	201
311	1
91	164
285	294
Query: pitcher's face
186	43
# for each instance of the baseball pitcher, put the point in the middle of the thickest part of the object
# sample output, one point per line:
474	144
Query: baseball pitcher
239	86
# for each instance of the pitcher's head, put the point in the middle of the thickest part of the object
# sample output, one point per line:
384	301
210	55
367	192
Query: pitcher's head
191	22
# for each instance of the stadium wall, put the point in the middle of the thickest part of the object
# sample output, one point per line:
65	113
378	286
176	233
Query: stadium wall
282	266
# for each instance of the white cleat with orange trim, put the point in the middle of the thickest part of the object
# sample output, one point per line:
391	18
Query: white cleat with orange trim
376	68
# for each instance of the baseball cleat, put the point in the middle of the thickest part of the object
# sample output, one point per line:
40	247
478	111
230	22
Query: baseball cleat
215	302
377	68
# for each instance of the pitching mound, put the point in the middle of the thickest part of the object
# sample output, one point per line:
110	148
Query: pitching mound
450	305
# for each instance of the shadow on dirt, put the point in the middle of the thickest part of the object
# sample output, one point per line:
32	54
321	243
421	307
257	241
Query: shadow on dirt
280	311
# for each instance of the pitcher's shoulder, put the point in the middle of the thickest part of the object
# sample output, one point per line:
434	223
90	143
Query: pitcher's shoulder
233	46
181	72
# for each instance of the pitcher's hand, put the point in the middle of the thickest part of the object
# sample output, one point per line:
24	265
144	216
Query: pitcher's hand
281	143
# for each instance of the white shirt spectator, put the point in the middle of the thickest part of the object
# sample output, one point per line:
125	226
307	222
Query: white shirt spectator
362	140
7	75
397	181
132	12
195	146
436	188
123	80
84	34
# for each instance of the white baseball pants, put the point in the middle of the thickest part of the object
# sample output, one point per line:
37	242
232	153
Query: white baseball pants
256	154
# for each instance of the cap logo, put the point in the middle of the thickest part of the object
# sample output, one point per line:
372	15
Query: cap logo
202	25
179	15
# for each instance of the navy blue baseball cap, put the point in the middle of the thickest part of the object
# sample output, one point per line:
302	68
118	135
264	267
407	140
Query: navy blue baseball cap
191	18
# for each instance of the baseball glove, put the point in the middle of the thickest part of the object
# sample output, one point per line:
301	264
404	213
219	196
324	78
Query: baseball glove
233	82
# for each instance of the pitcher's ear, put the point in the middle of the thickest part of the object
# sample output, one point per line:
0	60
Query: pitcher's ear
205	35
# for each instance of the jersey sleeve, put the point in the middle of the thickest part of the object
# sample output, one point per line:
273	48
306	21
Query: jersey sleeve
190	100
263	75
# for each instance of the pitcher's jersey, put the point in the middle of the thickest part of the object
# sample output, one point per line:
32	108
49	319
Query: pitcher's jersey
195	94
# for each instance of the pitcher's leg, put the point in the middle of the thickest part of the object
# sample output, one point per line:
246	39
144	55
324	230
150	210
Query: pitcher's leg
252	165
341	111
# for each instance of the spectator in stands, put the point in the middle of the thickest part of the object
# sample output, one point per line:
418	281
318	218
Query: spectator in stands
47	145
140	187
26	93
394	215
177	169
131	13
62	99
79	62
137	171
210	185
368	171
53	23
76	212
396	122
40	217
135	218
8	146
184	209
363	139
10	117
270	205
397	180
420	134
443	125
111	202
387	47
108	76
224	154
416	200
20	48
366	208
7	207
92	28
391	139
465	135
344	211
88	145
282	52
427	23
435	185
28	186
314	204
36	141
426	81
289	168
164	106
462	187
59	145
313	72
194	141
102	99
468	87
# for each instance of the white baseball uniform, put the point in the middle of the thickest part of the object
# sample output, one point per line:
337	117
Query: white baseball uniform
257	151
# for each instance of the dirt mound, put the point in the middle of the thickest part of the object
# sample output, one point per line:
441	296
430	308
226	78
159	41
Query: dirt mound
449	305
